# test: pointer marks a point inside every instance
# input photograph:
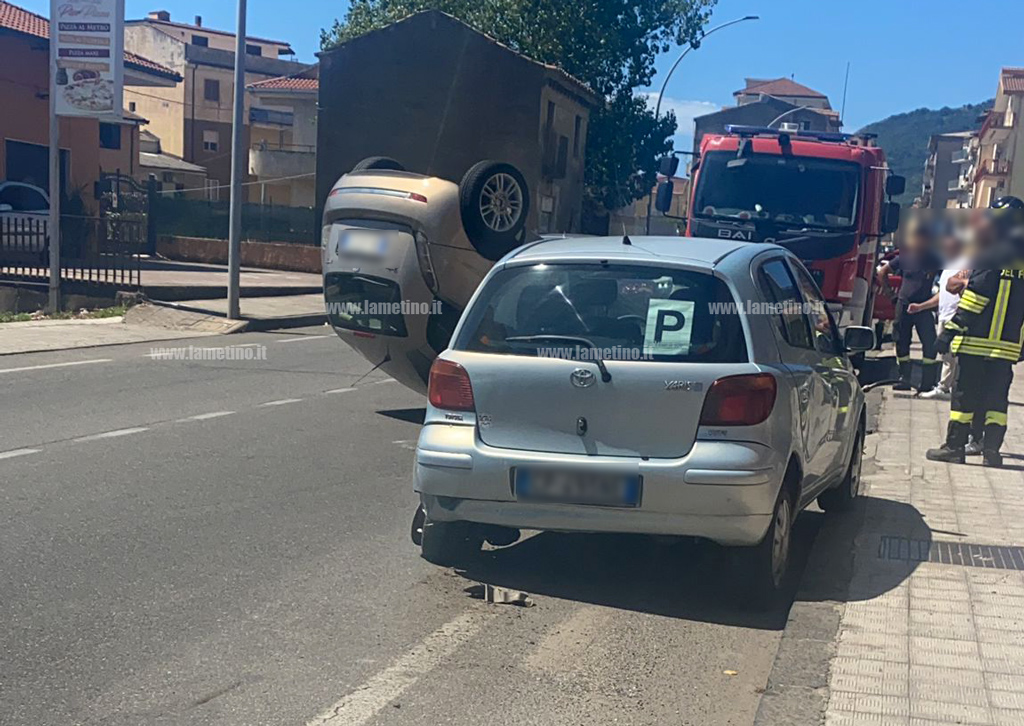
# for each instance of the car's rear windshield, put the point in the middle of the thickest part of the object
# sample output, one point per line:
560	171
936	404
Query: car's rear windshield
364	303
625	312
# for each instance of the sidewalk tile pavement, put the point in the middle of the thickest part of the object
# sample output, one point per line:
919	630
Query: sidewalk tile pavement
933	629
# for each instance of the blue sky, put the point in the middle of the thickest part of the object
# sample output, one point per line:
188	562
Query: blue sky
904	54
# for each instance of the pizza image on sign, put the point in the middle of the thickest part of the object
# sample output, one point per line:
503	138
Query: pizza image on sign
90	94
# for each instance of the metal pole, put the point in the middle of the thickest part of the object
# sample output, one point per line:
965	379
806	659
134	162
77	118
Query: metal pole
54	191
238	167
664	85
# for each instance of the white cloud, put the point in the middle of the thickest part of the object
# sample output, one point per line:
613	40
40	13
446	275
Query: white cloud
685	111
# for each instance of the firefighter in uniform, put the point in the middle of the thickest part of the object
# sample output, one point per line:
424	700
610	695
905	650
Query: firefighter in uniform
985	335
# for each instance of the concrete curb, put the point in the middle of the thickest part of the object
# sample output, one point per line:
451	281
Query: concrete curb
797	693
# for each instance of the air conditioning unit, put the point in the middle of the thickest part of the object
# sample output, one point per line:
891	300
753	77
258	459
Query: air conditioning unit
789	127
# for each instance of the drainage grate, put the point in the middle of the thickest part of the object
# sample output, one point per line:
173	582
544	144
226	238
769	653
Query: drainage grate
965	554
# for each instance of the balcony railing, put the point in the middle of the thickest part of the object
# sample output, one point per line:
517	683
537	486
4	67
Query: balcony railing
271	117
994	120
992	167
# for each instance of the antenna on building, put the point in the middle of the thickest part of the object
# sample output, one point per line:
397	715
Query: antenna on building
846	84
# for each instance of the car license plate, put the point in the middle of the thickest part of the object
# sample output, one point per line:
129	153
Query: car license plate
573	487
363	244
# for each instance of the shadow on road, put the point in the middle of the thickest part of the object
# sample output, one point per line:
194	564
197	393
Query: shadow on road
697	580
408	415
679	579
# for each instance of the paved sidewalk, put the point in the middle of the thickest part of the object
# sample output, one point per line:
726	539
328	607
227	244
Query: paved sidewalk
50	335
933	627
266	313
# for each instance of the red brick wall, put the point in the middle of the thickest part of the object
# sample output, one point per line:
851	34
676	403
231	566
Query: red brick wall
266	255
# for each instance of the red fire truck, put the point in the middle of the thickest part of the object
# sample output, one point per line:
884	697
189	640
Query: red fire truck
823	196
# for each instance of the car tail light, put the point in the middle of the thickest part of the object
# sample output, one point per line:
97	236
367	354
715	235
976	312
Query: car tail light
739	400
449	388
426	264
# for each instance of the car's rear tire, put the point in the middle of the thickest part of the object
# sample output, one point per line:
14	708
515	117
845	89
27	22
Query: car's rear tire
494	201
384	163
840	498
449	544
764	567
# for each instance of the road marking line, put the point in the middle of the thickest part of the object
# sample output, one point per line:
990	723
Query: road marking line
303	338
18	452
113	434
377	383
366	701
282	402
340	390
57	365
208	416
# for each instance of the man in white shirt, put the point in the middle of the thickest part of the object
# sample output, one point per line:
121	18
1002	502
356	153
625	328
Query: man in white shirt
951	284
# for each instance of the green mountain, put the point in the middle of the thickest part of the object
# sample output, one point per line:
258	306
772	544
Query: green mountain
905	138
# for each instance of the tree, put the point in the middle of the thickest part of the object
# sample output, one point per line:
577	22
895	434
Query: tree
610	45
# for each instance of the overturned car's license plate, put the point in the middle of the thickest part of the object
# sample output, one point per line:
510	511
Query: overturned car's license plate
363	243
573	487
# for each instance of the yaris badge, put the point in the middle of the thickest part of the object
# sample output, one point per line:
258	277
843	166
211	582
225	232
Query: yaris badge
582	378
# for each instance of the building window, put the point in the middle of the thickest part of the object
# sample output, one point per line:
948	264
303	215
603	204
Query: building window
167	176
131	106
253	49
211	90
551	115
576	133
201	40
212	190
211	140
110	136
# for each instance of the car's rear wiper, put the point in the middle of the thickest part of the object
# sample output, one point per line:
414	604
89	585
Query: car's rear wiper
577	339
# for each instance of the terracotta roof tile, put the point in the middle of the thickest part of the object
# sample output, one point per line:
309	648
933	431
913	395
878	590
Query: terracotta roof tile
778	87
286	83
1013	80
20	20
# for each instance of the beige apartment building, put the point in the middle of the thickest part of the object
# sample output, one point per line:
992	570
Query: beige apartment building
193	120
282	158
1000	161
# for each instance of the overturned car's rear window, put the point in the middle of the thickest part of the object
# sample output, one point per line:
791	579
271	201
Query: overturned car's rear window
364	303
626	312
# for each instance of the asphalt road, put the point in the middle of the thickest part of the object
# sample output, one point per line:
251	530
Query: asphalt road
227	542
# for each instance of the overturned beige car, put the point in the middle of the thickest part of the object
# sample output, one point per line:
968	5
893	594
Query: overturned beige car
403	254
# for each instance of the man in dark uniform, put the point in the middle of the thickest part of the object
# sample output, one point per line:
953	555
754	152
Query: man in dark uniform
918	263
986	336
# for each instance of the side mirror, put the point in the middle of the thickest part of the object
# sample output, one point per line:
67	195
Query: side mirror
857	339
895	185
663	200
890	217
6	208
668	166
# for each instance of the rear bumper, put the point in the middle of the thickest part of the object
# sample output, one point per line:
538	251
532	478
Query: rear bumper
722	491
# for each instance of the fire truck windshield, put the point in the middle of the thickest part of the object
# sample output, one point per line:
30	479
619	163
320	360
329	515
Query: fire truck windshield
798	192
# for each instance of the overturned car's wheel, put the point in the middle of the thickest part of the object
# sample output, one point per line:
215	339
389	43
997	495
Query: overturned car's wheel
385	163
495	202
449	544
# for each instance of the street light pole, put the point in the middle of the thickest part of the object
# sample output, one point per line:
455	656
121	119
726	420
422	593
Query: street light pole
238	167
664	85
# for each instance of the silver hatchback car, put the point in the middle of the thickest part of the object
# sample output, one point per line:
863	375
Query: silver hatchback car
660	386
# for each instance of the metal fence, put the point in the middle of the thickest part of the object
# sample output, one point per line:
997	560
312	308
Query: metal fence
94	250
260	222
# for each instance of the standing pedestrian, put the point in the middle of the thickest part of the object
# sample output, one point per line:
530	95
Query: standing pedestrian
952	281
985	335
918	264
